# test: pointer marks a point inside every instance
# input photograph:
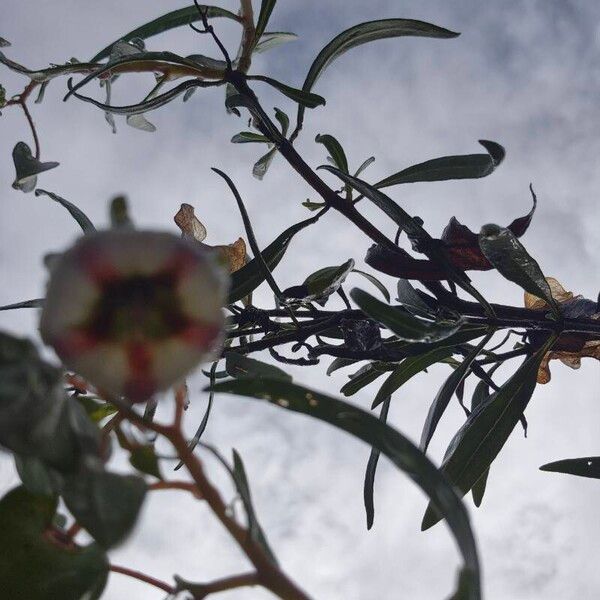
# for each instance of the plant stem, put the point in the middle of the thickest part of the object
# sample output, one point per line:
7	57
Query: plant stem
268	574
36	140
143	577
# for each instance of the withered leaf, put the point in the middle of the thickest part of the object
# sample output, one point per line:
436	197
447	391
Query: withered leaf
189	224
234	255
569	348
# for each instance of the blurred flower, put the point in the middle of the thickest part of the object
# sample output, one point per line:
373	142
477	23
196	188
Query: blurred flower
569	348
134	311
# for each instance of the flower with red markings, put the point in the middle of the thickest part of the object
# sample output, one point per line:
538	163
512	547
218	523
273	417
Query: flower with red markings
134	311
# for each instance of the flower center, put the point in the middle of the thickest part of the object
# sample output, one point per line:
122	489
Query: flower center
136	308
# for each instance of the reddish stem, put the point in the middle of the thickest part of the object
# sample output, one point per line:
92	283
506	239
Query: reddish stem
143	577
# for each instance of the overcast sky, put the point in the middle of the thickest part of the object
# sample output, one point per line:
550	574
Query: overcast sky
523	73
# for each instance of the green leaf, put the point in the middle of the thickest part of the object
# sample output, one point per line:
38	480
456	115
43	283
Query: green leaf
588	466
37	419
413	228
266	8
177	18
243	488
361	34
364	165
97	410
107	505
312	206
273	39
83	221
36	303
240	366
443	397
410	299
144	459
284	121
480	394
401	323
36	477
32	565
261	166
250	276
41	76
336	152
139	121
509	257
2	96
248	137
401	451
305	99
28	167
363	377
340	363
408	368
480	439
368	487
321	284
375	282
469	166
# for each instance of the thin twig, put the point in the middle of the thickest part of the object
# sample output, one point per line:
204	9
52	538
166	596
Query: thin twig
143	577
208	28
36	140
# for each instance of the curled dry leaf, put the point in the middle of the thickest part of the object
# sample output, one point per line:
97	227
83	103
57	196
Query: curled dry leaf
233	255
571	348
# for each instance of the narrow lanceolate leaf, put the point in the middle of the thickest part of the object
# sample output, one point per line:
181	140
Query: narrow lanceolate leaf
408	368
36	303
249	137
588	466
266	8
261	166
284	121
304	99
480	395
243	488
444	396
240	366
336	152
420	239
401	451
361	34
82	219
339	363
272	39
468	166
364	165
375	282
363	377
506	253
369	485
480	439
410	299
321	284
404	325
177	18
251	275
